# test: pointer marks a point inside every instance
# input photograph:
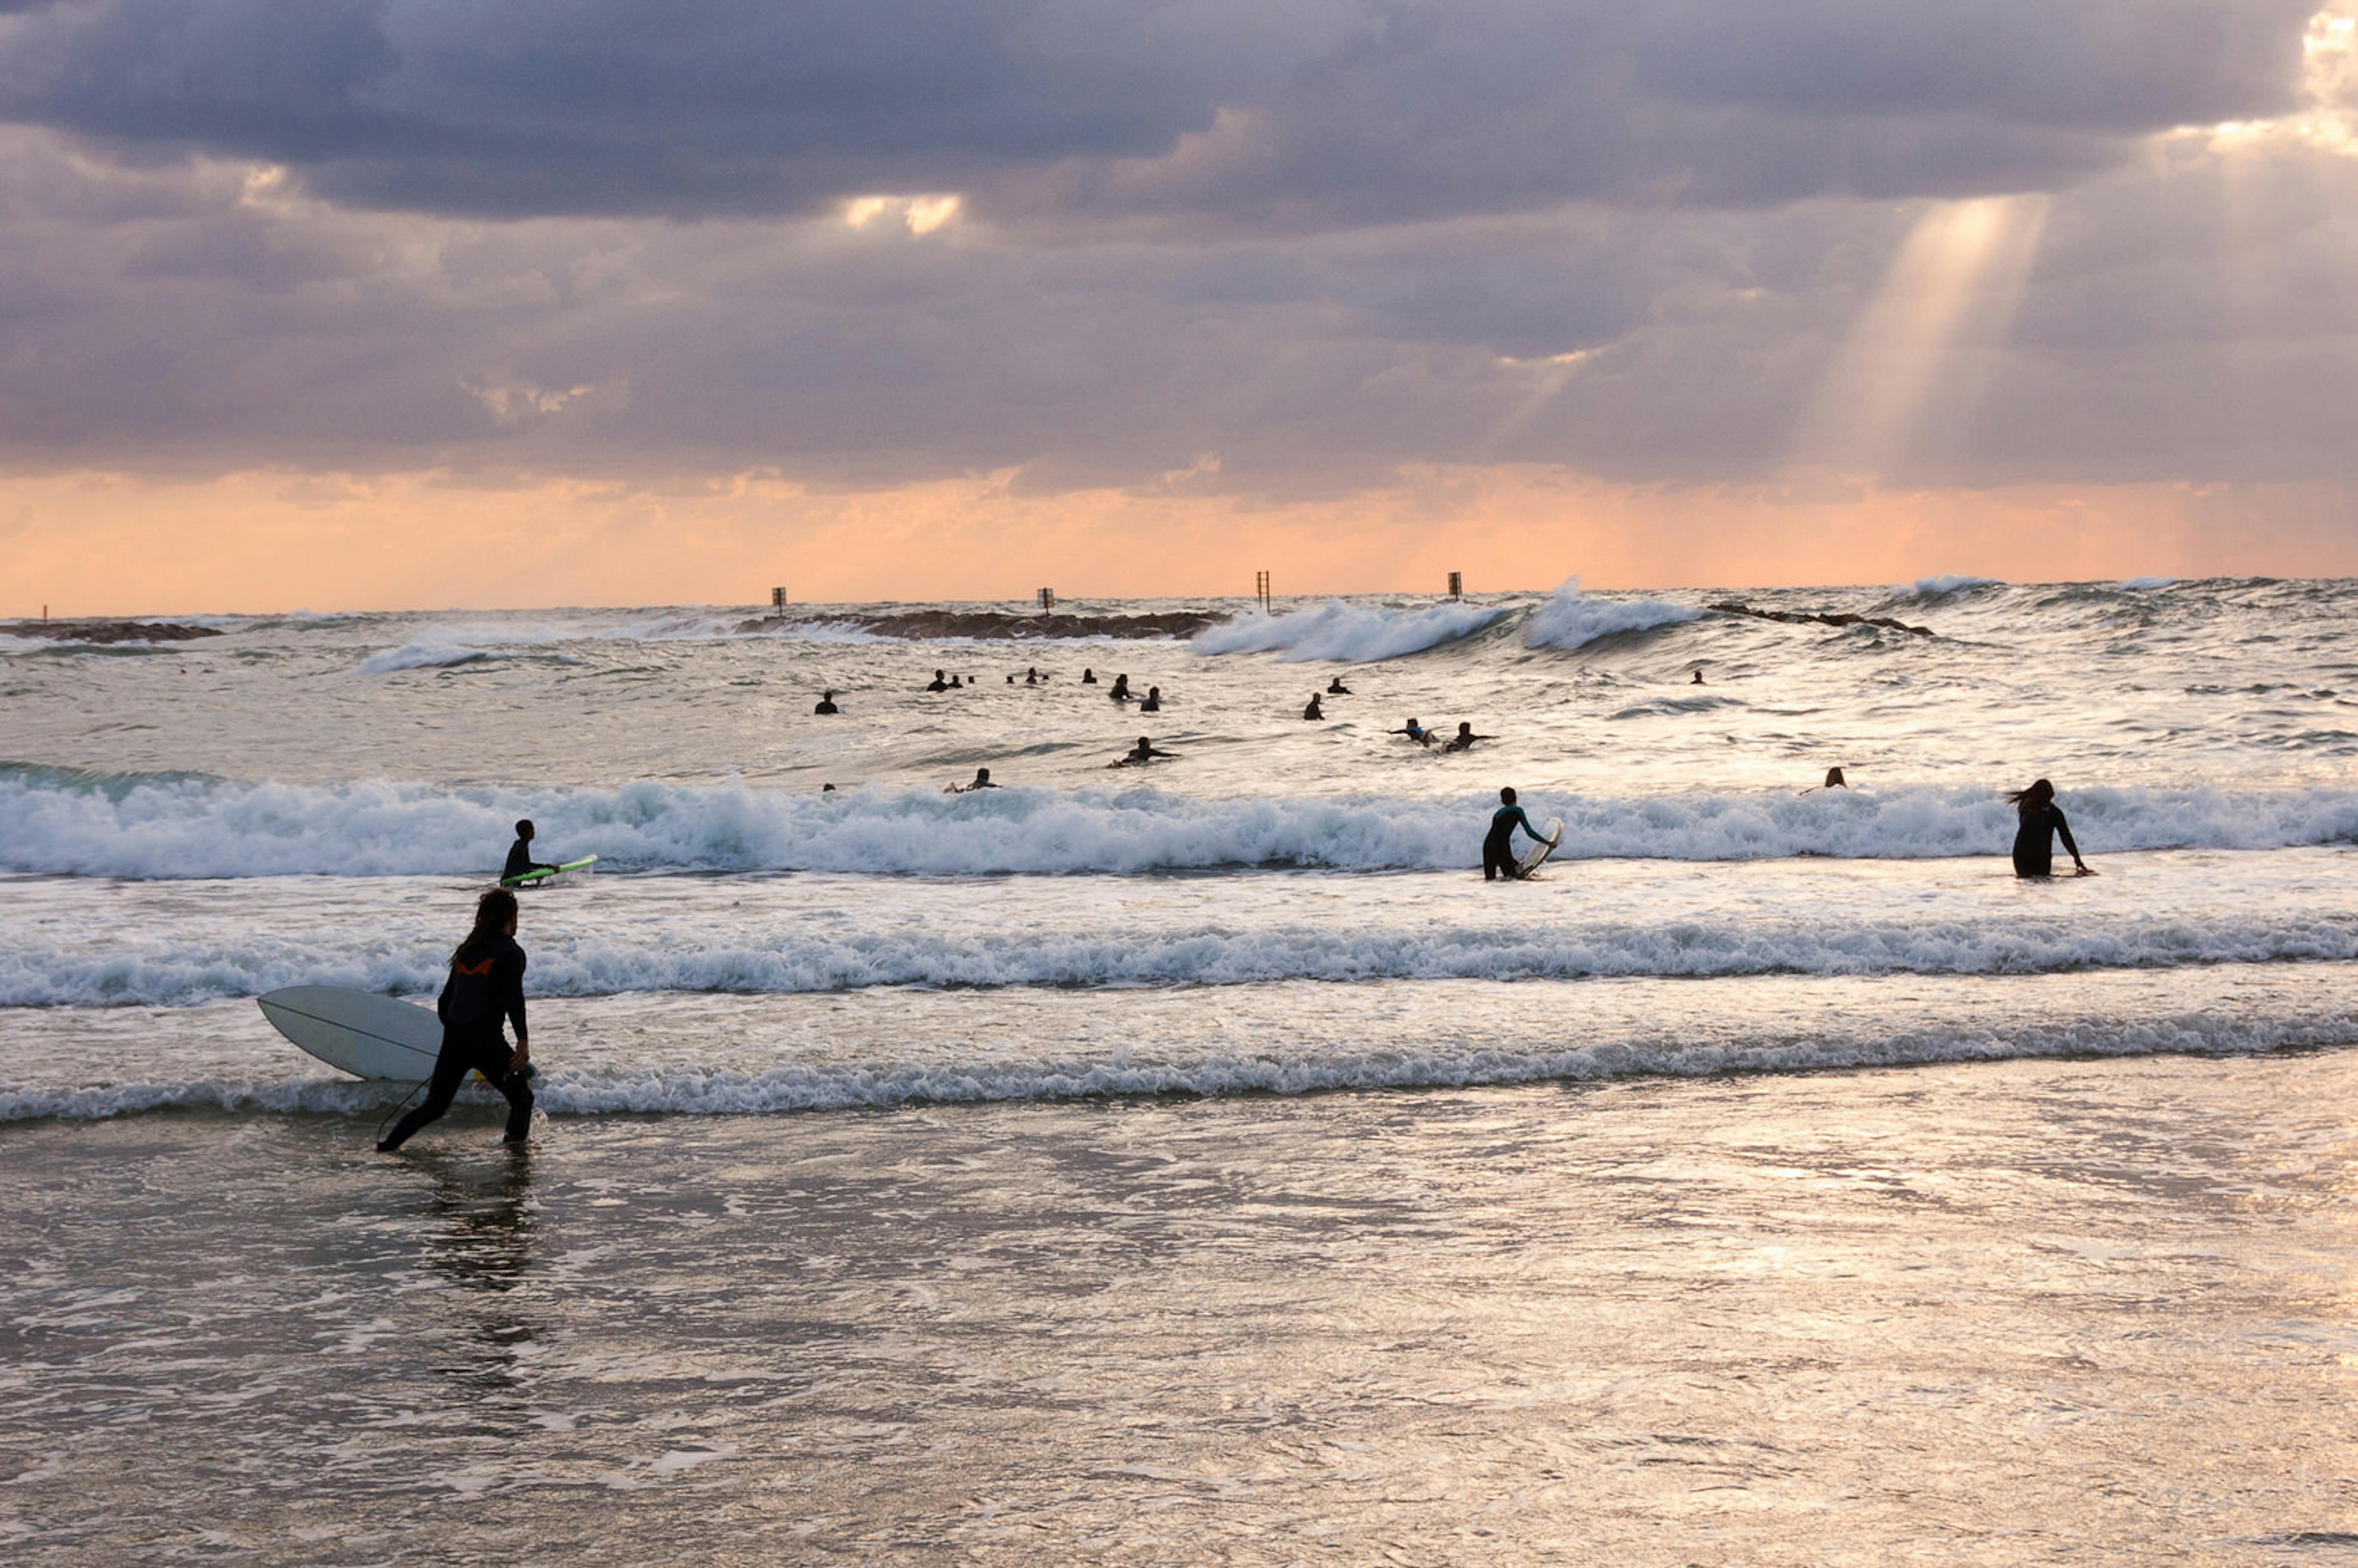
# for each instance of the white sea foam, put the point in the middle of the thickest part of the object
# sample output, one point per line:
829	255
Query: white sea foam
723	952
2146	584
1943	586
1571	620
1337	632
687	1089
163	825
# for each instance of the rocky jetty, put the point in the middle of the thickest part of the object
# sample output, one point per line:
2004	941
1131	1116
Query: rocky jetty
107	630
995	625
1832	618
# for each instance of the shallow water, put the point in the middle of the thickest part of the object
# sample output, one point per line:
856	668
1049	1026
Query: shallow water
2002	1313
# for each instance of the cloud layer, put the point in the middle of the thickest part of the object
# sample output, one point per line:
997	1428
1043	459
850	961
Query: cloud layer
1208	246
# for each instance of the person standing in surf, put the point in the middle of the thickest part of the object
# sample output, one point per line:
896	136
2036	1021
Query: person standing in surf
1498	859
519	861
2039	824
486	984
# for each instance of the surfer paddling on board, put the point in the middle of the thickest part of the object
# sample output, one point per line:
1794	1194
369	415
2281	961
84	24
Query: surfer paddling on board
1142	755
519	861
981	781
1498	857
2042	823
1465	737
486	984
1414	732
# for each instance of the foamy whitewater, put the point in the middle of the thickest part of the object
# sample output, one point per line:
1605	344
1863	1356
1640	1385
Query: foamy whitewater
316	799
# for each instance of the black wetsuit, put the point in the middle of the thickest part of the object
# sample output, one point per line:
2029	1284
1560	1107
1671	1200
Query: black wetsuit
479	993
520	862
1498	857
2034	841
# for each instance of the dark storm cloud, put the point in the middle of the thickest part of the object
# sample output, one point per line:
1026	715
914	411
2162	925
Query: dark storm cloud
1320	112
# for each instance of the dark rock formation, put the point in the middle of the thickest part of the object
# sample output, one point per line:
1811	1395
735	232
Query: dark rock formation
1834	618
1002	626
107	630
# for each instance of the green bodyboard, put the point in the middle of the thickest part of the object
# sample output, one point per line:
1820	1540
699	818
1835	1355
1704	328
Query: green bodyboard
531	877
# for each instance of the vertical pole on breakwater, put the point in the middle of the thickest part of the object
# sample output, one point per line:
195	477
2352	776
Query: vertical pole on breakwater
1260	591
1456	585
777	602
1048	599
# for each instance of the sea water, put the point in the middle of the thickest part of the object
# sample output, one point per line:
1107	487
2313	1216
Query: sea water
1775	1156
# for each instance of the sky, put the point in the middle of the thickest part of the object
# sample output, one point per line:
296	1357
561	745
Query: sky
358	304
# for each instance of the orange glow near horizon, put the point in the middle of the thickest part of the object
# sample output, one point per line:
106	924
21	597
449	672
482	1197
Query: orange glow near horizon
104	544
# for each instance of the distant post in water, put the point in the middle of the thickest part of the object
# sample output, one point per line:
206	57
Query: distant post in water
1456	585
1048	599
1260	591
778	601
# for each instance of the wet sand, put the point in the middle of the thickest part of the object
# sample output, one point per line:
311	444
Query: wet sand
2002	1313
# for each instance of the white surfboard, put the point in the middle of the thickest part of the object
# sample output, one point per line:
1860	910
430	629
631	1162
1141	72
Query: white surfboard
1542	849
367	1035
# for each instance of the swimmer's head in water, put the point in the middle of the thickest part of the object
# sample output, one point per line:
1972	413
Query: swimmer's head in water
826	789
982	775
1834	779
523	829
1465	726
1507	796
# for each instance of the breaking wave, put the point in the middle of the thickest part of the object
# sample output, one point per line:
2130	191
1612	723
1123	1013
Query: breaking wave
1571	620
1347	633
63	822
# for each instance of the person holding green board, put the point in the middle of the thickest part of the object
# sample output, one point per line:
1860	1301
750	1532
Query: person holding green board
519	861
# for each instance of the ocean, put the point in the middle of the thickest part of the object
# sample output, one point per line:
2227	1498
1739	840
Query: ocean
1199	1160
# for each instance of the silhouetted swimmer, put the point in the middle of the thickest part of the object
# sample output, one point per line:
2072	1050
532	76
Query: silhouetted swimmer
981	781
1465	737
1414	732
486	982
2041	823
1032	676
938	683
955	684
826	705
1835	780
519	861
1698	678
1498	857
1313	710
1141	754
1120	692
1336	689
1088	677
826	789
1153	702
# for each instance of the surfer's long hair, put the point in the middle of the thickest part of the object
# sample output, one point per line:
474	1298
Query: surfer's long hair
2025	801
494	912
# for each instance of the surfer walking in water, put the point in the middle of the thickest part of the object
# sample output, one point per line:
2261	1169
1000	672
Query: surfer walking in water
485	985
1313	710
2039	824
1498	859
519	861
